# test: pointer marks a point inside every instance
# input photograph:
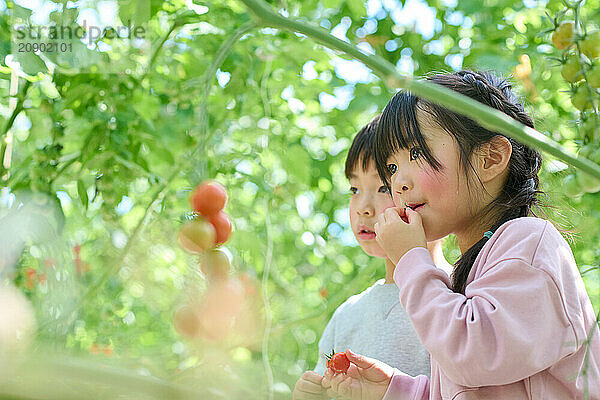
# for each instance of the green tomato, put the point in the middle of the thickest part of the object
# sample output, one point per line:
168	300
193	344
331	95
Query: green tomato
562	36
571	70
571	186
595	156
590	46
593	78
588	183
581	99
587	151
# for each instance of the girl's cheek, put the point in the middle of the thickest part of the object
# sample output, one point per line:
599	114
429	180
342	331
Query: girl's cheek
432	182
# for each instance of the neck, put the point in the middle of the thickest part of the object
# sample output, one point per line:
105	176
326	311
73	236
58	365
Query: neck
389	271
468	237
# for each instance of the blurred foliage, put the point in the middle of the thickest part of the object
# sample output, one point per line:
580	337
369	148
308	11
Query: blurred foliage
105	163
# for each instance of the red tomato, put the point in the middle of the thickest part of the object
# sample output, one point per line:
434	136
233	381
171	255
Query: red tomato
323	292
208	198
338	362
222	225
197	236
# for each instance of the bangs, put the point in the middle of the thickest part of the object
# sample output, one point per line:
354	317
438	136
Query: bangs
398	129
361	150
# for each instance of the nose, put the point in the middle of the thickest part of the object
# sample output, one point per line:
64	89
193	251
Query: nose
366	208
400	183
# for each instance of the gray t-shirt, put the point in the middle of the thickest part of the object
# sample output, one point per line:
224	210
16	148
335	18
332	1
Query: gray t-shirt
374	324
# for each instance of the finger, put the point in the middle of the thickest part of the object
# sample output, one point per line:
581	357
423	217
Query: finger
414	218
313	377
376	228
309	387
306	396
381	218
356	391
326	381
370	368
336	380
344	387
359	360
332	394
391	214
353	372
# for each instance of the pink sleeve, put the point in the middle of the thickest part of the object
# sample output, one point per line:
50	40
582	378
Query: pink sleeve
406	387
510	324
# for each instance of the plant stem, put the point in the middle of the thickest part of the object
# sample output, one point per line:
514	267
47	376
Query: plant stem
267	304
9	124
486	116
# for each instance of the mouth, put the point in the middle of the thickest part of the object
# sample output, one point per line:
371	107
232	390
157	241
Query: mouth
366	234
415	206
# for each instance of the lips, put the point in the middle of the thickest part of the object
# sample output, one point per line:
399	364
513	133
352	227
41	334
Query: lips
364	233
415	206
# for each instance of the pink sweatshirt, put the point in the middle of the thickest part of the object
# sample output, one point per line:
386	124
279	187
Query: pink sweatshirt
518	332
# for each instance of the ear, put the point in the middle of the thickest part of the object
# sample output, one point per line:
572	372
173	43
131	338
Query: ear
493	158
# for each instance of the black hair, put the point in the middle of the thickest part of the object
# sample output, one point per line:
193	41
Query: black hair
398	129
361	149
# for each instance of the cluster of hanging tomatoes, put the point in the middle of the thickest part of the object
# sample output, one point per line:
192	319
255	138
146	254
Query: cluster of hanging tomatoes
229	305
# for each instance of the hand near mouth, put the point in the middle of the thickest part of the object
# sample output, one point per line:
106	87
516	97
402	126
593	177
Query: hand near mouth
398	230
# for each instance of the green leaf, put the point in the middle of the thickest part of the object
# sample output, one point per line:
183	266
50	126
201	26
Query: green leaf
82	193
31	63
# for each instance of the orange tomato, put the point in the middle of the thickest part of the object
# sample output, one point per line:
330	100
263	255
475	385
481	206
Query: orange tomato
208	198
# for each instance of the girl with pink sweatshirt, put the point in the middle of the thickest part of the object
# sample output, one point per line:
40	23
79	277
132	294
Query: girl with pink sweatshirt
514	320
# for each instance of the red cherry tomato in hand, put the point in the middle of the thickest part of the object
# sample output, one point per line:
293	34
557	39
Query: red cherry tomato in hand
338	362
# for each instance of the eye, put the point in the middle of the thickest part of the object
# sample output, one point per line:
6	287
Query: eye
353	190
384	189
415	153
392	168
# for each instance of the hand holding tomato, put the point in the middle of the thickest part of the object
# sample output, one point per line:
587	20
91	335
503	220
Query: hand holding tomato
395	235
366	378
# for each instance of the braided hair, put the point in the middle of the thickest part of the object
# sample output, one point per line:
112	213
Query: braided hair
398	129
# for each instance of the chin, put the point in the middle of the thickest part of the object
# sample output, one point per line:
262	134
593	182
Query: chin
379	253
